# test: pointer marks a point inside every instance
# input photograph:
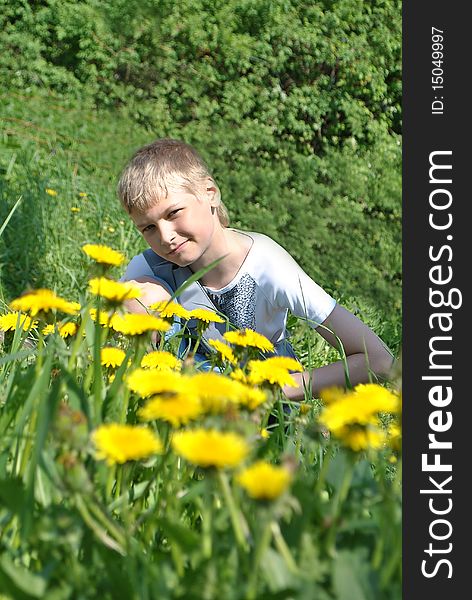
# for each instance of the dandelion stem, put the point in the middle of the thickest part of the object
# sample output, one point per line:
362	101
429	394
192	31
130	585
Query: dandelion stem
102	535
207	526
236	516
262	544
338	501
323	472
283	548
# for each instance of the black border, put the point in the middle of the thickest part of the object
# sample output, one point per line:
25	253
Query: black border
423	133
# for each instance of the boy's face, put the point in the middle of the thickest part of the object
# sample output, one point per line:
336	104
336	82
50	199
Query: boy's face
180	227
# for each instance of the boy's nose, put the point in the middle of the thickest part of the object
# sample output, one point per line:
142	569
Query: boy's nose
166	233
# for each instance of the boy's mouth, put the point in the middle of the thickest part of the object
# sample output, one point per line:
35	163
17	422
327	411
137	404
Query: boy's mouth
177	248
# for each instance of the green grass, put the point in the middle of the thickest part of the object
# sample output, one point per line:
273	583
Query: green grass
57	143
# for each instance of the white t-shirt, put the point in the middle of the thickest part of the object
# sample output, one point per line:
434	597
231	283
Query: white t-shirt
268	284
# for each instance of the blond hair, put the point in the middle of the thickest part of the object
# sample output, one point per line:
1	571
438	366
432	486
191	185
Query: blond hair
162	164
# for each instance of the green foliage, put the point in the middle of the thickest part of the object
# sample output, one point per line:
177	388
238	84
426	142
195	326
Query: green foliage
295	106
159	526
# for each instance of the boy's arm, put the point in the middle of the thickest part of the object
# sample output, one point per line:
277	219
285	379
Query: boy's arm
151	292
365	354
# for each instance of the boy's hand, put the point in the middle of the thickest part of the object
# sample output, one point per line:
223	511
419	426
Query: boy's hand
151	292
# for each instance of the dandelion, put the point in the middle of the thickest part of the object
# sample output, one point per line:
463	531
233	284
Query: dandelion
74	209
103	254
111	357
170	309
224	351
177	411
262	370
49	329
50	192
121	443
362	438
251	397
358	406
137	324
104	317
264	433
206	316
353	417
216	392
67	329
332	394
284	362
239	375
148	382
377	397
114	291
210	448
43	300
263	481
10	321
161	360
250	338
83	194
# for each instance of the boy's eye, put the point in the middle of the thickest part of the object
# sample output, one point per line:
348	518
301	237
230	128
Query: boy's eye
174	212
148	228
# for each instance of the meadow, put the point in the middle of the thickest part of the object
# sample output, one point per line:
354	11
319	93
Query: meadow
129	473
126	472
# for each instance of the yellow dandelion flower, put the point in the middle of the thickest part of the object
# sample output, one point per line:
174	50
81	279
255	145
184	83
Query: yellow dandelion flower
121	443
50	192
210	448
362	438
263	481
264	433
239	375
332	394
170	309
261	371
103	254
224	351
379	398
137	324
148	382
10	321
251	397
177	410
68	329
104	317
216	392
284	362
49	329
83	194
161	360
207	316
116	291
74	209
358	406
43	300
112	357
250	338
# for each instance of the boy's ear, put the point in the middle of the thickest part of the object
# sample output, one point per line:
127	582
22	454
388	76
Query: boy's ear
211	192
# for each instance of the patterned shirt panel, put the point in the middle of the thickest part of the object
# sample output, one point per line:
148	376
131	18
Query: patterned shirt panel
238	303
